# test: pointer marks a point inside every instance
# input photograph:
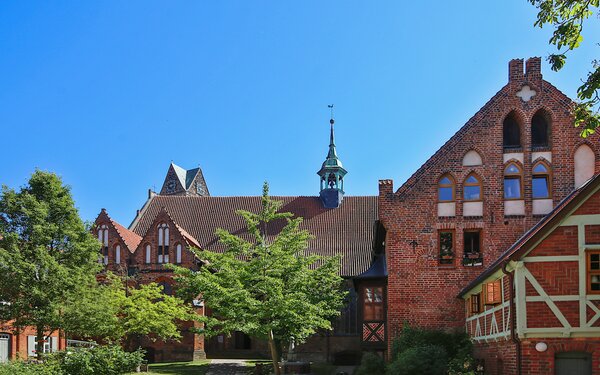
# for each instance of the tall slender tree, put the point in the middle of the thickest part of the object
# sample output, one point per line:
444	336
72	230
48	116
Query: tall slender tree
267	287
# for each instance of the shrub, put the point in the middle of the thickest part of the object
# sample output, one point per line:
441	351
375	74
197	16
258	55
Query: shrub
455	344
370	364
418	360
101	360
49	367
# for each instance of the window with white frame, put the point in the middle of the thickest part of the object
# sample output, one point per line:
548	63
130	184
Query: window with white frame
163	243
103	238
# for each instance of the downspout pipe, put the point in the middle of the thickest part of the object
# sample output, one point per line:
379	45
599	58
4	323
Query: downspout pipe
513	315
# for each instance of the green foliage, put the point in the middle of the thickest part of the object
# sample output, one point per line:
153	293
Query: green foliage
567	18
370	364
47	255
430	359
455	344
464	364
266	285
101	360
111	312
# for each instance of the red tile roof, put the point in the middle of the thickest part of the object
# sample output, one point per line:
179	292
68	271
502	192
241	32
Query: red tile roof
346	230
130	238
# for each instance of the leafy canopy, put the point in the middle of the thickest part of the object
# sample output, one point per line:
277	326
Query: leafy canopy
267	284
567	18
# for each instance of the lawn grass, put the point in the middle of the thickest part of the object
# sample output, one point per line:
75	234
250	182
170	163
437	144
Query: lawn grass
183	368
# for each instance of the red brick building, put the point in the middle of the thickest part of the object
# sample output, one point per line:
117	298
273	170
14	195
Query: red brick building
184	215
503	171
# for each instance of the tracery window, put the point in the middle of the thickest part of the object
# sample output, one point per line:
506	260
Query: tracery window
540	182
513	177
163	243
472	188
446	189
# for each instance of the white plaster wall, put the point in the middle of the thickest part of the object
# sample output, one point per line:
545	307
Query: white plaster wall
584	164
542	206
472	158
546	155
516	207
513	155
446	209
473	209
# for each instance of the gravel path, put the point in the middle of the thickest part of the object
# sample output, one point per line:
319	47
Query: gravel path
227	367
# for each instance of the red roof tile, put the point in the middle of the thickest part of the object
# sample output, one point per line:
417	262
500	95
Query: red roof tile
346	230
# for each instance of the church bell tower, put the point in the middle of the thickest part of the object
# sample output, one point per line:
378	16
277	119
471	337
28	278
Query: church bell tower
332	175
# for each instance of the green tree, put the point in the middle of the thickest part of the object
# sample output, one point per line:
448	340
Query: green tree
47	255
567	17
112	312
48	268
267	286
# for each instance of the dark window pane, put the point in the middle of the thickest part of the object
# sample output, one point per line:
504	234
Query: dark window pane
512	137
512	188
595	265
540	187
472	193
445	193
446	243
539	130
595	257
471	240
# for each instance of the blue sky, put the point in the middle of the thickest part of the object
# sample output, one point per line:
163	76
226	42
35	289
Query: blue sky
108	93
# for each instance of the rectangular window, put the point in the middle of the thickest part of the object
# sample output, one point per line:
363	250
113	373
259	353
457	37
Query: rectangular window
472	242
373	303
593	272
446	239
512	188
475	303
492	293
539	187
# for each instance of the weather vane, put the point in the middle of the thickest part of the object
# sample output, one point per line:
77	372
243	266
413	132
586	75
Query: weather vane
330	106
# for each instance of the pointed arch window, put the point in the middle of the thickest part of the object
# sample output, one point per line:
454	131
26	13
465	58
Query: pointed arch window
513	182
511	132
541	181
472	188
540	130
446	189
103	238
163	243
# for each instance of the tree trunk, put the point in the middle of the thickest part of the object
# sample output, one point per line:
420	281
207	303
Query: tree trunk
39	343
274	356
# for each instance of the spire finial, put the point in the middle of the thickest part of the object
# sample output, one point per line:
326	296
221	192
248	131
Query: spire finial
330	106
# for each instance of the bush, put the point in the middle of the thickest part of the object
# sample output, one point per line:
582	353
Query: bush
455	344
101	360
370	364
430	359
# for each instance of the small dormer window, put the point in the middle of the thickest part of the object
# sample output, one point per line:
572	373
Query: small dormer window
163	243
103	238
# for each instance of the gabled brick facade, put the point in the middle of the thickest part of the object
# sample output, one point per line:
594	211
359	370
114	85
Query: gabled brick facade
422	288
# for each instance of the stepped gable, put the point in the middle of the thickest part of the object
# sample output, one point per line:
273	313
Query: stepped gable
346	230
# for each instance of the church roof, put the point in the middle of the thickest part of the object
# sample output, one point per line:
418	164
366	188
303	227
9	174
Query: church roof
346	230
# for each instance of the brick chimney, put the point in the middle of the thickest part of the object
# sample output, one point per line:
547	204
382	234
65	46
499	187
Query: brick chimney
533	69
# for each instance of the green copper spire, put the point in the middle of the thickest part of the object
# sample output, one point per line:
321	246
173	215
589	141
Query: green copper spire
332	174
